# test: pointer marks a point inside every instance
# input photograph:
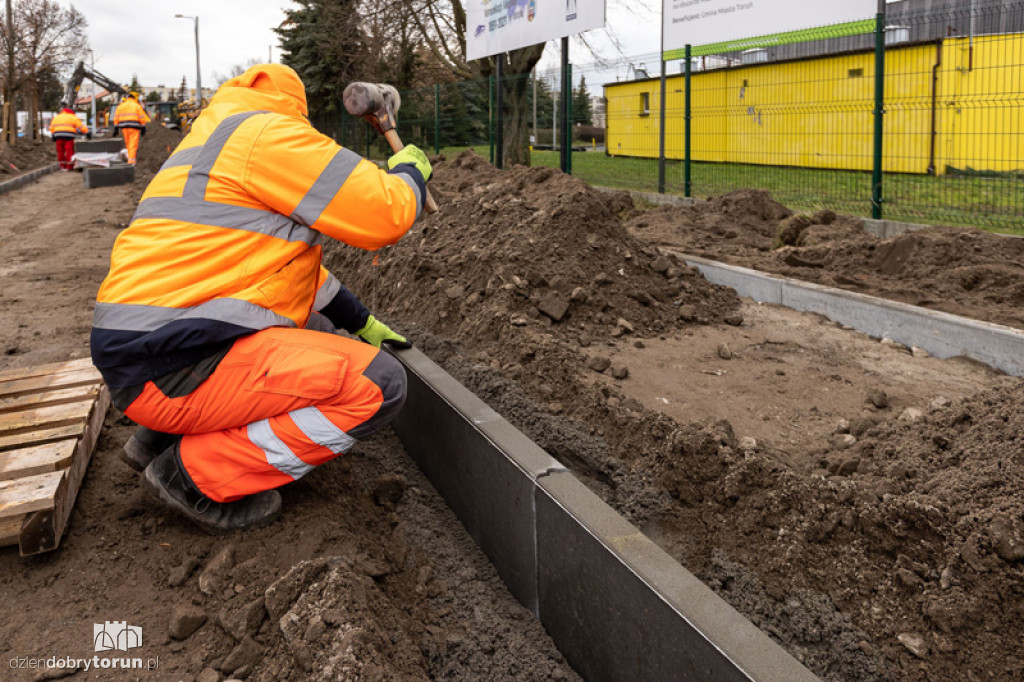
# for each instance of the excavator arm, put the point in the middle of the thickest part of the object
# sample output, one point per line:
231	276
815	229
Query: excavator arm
80	74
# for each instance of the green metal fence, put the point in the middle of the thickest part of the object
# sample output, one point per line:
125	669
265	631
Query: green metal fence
796	120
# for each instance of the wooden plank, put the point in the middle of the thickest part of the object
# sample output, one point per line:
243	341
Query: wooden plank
10	529
20	440
68	395
81	377
44	417
44	370
30	494
43	530
35	460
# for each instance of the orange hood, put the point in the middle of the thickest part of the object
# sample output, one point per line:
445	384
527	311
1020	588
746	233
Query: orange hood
277	83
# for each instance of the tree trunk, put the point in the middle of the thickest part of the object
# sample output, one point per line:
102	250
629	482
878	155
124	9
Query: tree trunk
518	65
31	127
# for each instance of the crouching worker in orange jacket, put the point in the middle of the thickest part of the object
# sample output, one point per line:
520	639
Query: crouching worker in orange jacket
210	327
130	119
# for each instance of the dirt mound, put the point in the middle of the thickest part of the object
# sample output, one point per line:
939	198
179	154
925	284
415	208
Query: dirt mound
963	271
959	270
844	566
918	533
529	248
154	148
25	156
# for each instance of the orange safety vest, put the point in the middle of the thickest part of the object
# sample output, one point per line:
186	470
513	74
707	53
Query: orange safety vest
66	125
227	237
130	114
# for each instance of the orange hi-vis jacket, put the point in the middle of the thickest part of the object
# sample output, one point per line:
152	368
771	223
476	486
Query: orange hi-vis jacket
226	240
130	114
65	125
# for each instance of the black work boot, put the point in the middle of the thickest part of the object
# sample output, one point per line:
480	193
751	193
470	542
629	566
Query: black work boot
144	446
166	480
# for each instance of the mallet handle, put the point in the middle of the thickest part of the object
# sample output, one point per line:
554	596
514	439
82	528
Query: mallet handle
396	146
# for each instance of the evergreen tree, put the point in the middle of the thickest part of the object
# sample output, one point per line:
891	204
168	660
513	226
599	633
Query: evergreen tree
322	41
545	104
582	111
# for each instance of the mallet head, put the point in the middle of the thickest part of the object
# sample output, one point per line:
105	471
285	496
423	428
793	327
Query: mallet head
376	102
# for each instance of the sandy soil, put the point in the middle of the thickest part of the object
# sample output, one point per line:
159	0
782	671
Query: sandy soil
842	527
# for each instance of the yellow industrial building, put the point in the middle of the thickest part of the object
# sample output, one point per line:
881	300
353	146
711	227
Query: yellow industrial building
954	103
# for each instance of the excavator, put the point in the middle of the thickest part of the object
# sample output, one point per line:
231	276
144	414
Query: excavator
82	72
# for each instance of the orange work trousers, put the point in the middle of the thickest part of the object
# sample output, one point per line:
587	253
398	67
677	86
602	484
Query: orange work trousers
281	402
131	142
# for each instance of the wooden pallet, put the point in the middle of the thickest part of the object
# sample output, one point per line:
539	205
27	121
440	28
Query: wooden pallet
50	419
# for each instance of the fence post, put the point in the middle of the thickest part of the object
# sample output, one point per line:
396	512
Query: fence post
661	131
687	112
879	112
490	117
499	118
568	122
566	99
437	118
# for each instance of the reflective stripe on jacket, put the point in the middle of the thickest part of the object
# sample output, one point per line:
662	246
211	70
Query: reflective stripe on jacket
65	125
130	114
227	238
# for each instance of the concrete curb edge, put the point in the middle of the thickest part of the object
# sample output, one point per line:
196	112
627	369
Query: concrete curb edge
941	334
617	606
26	178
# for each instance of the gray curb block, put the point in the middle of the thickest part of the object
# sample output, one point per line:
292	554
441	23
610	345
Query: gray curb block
616	605
941	334
26	178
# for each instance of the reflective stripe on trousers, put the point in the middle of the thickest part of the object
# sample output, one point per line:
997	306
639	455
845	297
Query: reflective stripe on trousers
281	402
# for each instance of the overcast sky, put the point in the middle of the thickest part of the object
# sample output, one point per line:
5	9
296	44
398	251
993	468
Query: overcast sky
145	38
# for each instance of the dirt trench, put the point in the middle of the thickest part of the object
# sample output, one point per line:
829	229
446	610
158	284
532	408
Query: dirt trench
856	501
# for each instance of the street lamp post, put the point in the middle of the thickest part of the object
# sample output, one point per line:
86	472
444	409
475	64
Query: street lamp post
92	63
199	79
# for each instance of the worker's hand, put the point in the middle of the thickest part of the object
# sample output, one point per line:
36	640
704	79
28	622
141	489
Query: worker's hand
376	332
412	154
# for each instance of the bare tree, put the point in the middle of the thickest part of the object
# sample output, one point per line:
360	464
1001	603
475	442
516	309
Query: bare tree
49	38
442	25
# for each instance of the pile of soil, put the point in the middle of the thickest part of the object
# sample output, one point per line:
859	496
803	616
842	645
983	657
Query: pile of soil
25	156
959	270
154	148
531	250
852	567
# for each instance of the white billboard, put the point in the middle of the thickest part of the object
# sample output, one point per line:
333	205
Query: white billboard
716	26
496	26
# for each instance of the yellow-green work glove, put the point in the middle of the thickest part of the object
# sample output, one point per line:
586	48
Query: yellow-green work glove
412	154
376	332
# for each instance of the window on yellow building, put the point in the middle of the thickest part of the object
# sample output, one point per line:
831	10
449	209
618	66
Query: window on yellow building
645	103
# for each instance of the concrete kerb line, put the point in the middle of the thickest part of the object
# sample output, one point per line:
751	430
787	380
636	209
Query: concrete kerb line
615	604
941	334
26	178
